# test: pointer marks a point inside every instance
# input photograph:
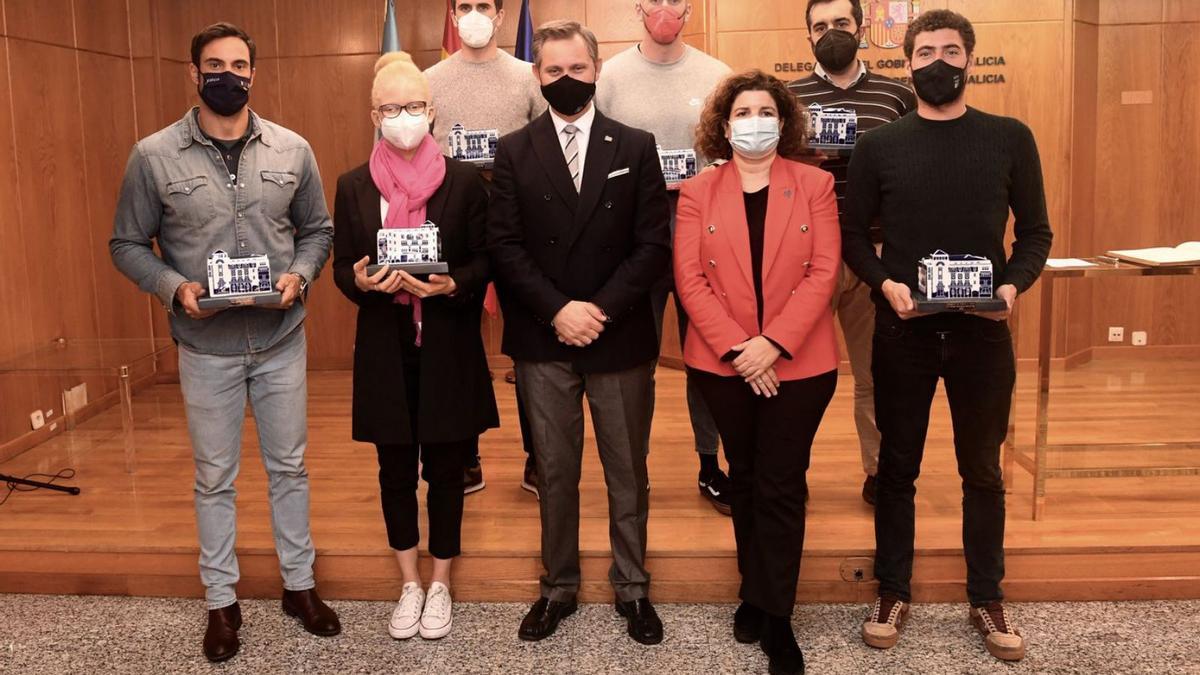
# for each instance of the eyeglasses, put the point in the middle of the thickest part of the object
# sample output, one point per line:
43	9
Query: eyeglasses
391	110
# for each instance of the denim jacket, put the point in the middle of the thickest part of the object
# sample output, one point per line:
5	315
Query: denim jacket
177	191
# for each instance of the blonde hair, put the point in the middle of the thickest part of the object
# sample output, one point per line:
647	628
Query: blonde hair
562	29
397	66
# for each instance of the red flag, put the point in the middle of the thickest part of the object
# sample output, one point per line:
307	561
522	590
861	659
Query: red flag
450	40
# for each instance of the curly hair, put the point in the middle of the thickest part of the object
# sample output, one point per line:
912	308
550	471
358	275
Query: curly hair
710	133
935	20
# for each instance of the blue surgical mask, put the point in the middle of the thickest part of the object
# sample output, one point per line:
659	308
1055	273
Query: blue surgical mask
754	137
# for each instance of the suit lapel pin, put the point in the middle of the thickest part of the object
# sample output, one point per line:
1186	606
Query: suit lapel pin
608	139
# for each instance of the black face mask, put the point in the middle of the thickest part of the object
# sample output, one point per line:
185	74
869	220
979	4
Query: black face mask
836	50
568	96
939	83
225	93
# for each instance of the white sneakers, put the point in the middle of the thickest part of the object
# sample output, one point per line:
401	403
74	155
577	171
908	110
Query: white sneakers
406	618
436	619
429	614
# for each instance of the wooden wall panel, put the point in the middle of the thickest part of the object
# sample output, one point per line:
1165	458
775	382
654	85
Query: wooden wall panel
1086	10
321	27
49	151
17	395
1078	296
336	121
102	26
989	11
179	21
147	99
42	20
141	28
1181	10
1131	11
106	82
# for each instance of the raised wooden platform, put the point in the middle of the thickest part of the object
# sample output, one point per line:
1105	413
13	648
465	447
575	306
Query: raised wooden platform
135	534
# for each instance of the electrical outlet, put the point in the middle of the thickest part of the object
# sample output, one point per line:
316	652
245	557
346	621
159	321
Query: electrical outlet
37	420
1116	334
1138	338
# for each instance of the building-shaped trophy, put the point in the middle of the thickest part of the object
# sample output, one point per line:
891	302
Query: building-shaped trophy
677	166
416	250
477	146
955	283
235	282
831	130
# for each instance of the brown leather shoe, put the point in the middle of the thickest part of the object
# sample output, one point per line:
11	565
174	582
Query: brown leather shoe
221	638
317	617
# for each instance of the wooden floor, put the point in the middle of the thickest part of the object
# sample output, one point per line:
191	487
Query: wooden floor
1103	538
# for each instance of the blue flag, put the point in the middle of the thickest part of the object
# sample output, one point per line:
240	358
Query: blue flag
391	36
524	48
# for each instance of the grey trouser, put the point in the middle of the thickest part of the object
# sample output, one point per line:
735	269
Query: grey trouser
620	406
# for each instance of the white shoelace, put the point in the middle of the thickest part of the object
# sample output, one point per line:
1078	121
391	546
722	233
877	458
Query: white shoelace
437	603
991	625
892	615
412	599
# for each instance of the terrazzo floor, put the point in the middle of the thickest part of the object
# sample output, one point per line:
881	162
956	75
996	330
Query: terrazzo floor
93	634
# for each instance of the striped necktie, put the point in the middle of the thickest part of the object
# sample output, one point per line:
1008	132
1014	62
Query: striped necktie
572	153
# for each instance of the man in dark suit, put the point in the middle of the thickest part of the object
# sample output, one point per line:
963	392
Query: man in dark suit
578	235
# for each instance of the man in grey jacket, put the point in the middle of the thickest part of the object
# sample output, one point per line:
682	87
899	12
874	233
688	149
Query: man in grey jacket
223	179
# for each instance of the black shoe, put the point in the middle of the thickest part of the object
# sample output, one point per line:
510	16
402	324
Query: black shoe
221	637
779	644
748	623
869	490
529	482
715	488
317	617
642	621
473	479
542	619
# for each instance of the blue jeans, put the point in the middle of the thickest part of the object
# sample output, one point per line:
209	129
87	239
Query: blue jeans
215	389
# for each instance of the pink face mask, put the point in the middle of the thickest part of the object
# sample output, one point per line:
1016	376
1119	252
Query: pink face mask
663	24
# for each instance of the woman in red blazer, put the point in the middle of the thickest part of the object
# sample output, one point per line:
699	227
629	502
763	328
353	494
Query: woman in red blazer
757	253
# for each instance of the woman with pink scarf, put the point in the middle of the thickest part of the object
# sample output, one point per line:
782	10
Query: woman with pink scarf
422	393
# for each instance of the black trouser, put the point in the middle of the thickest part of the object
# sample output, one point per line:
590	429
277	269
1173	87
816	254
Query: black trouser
441	467
974	356
768	443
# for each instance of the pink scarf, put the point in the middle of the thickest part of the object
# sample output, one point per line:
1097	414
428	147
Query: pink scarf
407	186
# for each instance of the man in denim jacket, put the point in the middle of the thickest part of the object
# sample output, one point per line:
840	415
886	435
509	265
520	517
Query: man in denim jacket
224	179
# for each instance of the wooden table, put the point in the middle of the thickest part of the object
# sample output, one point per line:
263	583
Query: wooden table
1037	463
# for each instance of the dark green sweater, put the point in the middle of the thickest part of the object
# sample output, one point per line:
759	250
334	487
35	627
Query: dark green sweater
946	185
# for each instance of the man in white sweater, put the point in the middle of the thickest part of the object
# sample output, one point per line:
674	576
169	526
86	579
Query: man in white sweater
660	85
488	93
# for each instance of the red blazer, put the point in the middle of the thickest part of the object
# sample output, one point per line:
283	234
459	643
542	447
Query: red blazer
801	261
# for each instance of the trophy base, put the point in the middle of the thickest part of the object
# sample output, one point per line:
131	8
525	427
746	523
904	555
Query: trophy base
832	150
926	306
228	301
414	269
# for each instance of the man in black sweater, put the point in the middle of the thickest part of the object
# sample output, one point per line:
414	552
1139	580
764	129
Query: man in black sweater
945	178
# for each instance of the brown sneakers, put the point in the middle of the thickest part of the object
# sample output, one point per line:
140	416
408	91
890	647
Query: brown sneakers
1002	640
881	630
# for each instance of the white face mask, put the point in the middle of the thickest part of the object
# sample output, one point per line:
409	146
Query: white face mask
754	137
405	131
476	30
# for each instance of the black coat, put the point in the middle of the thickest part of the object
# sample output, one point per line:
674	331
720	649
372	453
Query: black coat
456	397
607	244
